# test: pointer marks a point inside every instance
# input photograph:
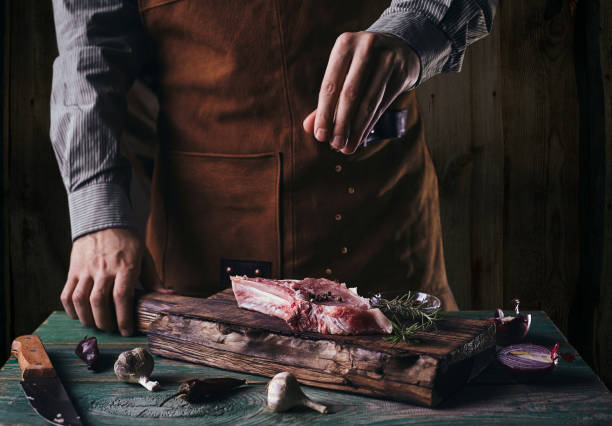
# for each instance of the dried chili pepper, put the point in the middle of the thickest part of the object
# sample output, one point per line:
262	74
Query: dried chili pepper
199	390
87	350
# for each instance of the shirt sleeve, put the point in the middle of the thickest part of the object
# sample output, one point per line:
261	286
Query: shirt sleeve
438	31
102	47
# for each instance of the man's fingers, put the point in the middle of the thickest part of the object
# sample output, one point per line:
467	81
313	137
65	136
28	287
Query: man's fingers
97	258
333	80
350	96
80	300
308	122
100	303
348	104
123	296
385	103
66	296
368	108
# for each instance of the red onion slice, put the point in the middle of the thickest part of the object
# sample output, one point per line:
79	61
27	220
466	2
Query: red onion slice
527	358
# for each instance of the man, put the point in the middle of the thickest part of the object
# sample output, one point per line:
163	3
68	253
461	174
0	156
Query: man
240	183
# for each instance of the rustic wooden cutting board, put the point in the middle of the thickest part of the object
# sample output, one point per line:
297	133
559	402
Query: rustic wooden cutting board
215	332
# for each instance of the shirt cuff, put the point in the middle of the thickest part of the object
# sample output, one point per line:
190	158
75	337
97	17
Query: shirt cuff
99	206
429	42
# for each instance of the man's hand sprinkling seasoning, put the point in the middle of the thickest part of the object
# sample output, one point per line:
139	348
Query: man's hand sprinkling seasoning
365	74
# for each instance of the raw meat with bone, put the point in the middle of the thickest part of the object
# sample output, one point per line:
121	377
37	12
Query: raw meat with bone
311	304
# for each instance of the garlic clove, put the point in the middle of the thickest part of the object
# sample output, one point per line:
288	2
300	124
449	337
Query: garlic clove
150	385
284	393
136	366
314	405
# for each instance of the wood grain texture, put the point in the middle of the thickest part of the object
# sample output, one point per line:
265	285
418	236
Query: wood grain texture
217	333
603	316
487	183
463	128
585	305
449	142
571	395
540	115
37	222
5	306
32	357
519	146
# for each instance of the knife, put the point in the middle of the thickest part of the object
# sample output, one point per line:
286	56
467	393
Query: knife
40	383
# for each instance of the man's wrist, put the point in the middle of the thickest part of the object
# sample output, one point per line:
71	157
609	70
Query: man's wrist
428	42
100	206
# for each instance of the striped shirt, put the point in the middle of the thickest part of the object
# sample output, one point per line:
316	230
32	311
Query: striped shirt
102	48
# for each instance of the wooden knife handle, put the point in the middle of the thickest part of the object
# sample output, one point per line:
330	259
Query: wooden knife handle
33	360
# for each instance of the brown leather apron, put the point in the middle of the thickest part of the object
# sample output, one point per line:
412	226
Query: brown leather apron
238	178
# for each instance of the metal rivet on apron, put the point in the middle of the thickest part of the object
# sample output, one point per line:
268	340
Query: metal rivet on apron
351	190
328	271
344	250
338	168
257	272
338	217
228	269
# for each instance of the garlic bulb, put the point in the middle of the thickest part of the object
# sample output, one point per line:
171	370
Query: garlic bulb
135	366
284	393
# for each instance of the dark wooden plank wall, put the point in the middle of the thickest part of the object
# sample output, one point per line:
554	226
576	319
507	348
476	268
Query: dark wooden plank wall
603	319
593	302
504	135
4	314
463	120
36	231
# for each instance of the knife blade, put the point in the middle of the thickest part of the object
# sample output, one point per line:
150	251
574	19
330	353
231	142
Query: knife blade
40	383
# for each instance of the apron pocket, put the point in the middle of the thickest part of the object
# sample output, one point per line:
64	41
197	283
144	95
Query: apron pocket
219	207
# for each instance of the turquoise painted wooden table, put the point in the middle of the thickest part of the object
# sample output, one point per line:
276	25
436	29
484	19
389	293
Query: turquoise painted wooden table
572	394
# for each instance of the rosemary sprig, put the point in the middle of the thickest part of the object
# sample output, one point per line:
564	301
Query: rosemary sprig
406	315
